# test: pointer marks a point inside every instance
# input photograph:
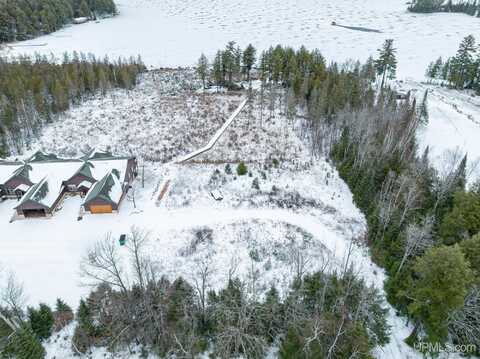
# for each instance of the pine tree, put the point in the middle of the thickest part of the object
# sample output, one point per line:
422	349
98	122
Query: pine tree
229	62
463	65
202	69
386	64
23	345
435	69
84	10
84	318
249	59
218	74
61	306
41	321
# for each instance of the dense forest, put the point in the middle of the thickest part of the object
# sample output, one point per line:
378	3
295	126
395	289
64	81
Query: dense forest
34	90
26	19
470	7
461	71
423	226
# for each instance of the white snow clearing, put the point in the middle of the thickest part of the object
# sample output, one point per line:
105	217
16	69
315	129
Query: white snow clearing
175	32
453	128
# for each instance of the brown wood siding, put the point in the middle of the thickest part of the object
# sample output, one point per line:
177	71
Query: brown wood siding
31	206
98	202
14	182
98	209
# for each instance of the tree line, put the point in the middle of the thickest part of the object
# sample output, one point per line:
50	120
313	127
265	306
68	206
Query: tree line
423	224
461	71
322	315
34	90
469	7
26	19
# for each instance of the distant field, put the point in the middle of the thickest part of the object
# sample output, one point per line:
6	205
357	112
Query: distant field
175	32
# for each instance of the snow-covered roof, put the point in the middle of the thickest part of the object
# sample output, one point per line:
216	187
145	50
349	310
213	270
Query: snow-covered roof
7	169
42	156
101	167
96	154
39	193
85	184
22	187
109	188
48	173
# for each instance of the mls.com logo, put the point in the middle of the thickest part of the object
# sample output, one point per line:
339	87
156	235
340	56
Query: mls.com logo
445	348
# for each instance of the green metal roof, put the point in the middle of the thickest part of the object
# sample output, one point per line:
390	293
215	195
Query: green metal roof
23	171
36	193
96	154
42	156
85	170
102	188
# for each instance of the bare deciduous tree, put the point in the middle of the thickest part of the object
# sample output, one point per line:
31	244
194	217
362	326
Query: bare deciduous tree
103	264
417	239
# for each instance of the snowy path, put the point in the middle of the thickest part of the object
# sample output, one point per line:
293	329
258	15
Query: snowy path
453	126
171	172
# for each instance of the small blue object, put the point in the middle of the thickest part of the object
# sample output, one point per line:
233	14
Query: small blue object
123	239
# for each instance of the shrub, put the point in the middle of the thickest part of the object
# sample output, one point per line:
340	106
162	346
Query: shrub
242	169
228	169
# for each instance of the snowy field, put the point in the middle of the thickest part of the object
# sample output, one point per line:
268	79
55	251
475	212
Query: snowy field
175	32
453	129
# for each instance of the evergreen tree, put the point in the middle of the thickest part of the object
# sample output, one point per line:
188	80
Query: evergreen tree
471	249
202	69
462	66
41	321
249	59
386	64
435	69
218	74
23	345
84	10
444	277
61	306
464	219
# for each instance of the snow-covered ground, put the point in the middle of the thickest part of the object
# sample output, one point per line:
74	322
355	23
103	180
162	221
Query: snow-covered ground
300	205
453	128
175	32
